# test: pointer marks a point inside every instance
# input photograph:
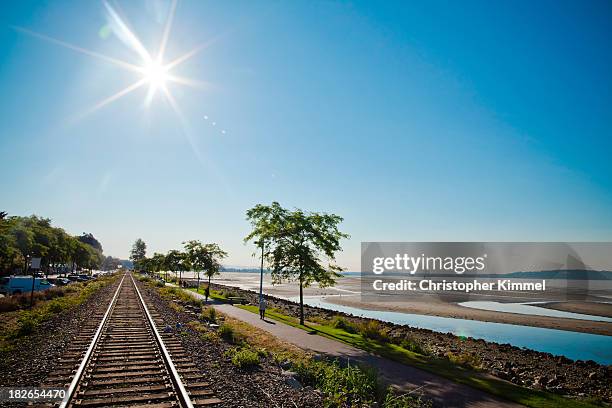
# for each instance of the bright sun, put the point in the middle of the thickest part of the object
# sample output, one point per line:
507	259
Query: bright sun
155	74
154	70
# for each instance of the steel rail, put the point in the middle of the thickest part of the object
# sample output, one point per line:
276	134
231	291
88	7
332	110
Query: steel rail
79	373
183	396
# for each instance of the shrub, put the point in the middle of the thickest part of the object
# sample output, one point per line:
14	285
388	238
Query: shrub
209	314
373	330
468	360
9	304
210	336
197	326
340	322
227	333
243	358
410	344
22	300
56	306
343	386
26	323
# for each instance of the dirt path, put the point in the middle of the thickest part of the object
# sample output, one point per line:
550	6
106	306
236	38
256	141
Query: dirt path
443	392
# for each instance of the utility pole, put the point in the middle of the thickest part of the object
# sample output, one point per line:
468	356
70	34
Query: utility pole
33	281
261	271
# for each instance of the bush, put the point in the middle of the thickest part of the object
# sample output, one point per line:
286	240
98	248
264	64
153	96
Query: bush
170	292
209	314
340	322
227	333
22	300
468	360
373	330
27	322
243	358
9	304
210	336
412	345
343	386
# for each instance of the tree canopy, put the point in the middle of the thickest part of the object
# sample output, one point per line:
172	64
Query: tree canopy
138	252
23	238
299	246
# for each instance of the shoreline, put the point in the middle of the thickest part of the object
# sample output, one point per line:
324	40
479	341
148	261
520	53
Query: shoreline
347	292
554	373
451	310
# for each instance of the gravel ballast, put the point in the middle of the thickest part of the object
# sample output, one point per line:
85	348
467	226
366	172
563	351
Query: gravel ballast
261	386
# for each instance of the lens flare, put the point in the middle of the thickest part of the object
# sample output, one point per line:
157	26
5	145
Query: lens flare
153	70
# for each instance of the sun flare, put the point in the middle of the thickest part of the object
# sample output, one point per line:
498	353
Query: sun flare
154	70
155	74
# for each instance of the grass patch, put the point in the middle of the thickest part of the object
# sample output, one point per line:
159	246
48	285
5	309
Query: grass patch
209	314
177	294
150	281
221	296
243	357
227	333
344	386
444	367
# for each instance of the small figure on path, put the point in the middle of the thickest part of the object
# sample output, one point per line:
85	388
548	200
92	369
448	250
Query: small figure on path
262	308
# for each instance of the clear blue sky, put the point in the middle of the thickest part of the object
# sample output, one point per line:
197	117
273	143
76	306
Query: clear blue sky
415	121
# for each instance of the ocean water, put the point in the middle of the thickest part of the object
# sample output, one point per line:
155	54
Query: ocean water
573	345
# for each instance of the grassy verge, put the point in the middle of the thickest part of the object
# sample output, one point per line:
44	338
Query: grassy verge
221	296
456	368
342	386
20	323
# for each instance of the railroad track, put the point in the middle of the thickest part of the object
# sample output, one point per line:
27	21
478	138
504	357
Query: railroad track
130	361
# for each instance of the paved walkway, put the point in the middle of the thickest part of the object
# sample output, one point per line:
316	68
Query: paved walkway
443	392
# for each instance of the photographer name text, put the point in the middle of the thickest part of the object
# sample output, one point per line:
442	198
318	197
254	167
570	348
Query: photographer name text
428	285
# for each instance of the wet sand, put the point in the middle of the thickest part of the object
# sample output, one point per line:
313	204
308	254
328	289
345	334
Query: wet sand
436	307
591	308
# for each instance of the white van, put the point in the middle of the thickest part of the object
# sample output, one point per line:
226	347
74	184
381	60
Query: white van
22	284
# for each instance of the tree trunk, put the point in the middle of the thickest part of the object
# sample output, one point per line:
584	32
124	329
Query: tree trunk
198	288
208	291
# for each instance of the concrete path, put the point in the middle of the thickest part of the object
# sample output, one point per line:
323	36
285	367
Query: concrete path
443	392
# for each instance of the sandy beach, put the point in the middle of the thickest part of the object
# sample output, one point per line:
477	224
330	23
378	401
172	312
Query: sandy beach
591	308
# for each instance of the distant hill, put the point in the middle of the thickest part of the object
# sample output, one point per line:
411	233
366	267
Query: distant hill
567	274
126	263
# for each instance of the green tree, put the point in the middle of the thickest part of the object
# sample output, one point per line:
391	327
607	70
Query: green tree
23	238
139	251
174	261
158	262
90	240
205	257
197	256
296	243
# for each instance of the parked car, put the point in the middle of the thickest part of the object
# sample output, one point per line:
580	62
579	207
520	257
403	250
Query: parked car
73	278
60	281
22	284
